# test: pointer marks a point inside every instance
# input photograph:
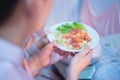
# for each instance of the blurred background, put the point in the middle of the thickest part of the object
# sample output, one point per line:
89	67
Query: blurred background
102	15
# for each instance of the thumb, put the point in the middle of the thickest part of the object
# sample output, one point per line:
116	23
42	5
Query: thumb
26	66
48	48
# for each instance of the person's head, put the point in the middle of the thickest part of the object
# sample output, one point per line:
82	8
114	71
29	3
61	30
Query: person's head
26	15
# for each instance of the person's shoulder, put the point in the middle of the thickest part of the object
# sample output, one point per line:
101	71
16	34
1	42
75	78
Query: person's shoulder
12	71
6	66
6	70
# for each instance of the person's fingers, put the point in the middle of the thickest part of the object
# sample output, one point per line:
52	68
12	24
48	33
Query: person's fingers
44	37
89	51
48	48
58	51
85	52
26	66
65	54
44	34
88	57
62	53
71	54
43	41
50	45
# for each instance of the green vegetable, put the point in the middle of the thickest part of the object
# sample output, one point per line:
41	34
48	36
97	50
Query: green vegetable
65	28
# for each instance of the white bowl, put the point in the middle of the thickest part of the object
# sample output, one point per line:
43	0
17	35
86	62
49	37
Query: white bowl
93	34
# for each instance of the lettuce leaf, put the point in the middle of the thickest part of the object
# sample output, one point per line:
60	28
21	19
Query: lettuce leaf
67	27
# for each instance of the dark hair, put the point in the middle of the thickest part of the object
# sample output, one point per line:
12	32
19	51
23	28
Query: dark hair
6	9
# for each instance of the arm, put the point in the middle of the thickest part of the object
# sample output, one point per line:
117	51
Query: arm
42	54
32	62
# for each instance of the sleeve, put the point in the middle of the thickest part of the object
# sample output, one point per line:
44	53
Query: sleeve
9	71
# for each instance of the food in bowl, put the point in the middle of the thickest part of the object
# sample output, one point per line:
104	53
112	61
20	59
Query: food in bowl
73	36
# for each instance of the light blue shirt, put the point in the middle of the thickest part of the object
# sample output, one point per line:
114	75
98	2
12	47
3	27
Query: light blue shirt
10	62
